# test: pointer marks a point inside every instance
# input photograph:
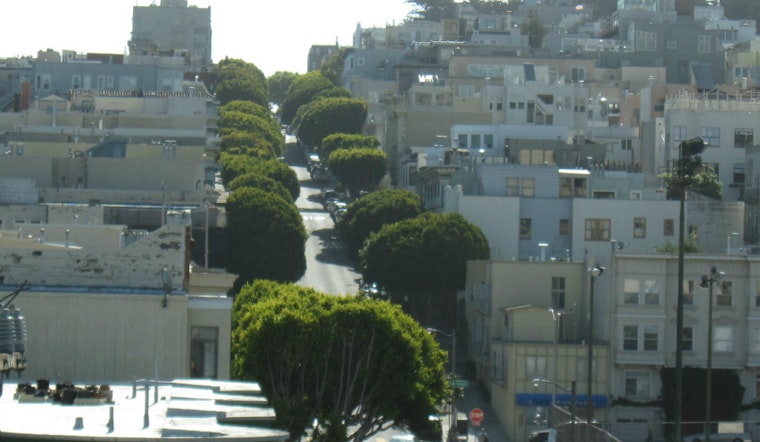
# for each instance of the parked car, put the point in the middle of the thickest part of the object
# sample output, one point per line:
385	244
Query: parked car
404	438
548	435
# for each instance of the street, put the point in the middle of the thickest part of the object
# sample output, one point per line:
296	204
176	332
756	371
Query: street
328	268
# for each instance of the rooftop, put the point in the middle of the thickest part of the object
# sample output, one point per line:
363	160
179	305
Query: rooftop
181	409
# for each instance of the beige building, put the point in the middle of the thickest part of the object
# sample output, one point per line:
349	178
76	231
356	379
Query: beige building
106	303
526	321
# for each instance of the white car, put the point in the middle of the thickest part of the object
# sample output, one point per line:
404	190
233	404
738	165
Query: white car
404	438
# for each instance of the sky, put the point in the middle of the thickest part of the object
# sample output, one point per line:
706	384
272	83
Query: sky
275	35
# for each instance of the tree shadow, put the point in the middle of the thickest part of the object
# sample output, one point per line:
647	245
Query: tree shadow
332	248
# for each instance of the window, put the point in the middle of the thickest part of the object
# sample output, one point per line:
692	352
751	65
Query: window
679	133
755	344
43	82
724	298
475	141
743	138
688	292
564	227
671	45
76	81
703	44
598	229
525	228
604	194
637	383
462	140
723	339
651	293
513	187
651	338
738	174
668	227
639	227
645	41
631	291
488	141
711	136
578	75
558	292
536	367
529	187
687	339
630	337
204	342
757	294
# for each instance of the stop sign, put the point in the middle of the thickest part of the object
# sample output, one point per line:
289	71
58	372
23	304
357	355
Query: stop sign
476	416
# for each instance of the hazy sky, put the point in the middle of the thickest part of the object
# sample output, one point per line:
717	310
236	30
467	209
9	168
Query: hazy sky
275	35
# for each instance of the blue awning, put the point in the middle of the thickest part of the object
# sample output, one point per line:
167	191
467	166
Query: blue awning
562	400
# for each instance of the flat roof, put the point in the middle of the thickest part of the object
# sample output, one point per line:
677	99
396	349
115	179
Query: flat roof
181	409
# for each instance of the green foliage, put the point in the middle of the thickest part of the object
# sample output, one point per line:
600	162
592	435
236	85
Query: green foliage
303	90
423	254
279	83
259	181
266	237
246	124
370	213
704	181
265	132
235	165
282	173
494	7
358	169
247	143
432	10
332	68
346	361
534	28
345	141
327	116
688	247
239	80
726	390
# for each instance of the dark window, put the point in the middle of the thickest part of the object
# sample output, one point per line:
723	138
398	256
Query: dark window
204	349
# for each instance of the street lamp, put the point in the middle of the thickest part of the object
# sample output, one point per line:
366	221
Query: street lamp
686	168
707	282
537	381
593	272
453	361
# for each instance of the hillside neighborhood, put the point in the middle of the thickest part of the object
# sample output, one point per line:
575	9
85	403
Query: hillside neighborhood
615	292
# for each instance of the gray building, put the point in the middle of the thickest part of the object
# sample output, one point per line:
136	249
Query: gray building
173	29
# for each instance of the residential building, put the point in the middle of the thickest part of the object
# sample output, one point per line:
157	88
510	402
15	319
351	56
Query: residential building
642	336
93	290
173	29
525	320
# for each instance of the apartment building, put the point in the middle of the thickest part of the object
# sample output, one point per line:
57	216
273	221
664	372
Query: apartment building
107	303
642	336
526	320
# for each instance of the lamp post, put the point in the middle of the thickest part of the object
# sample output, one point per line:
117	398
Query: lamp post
707	282
686	168
538	381
453	361
593	272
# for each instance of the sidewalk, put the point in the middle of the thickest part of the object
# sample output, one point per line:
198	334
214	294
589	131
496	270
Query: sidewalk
472	399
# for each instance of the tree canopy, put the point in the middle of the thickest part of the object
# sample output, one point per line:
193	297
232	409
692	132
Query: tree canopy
264	130
371	212
704	182
534	28
260	181
345	141
240	80
235	165
425	259
326	116
265	237
278	84
332	68
359	168
344	361
304	89
432	10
